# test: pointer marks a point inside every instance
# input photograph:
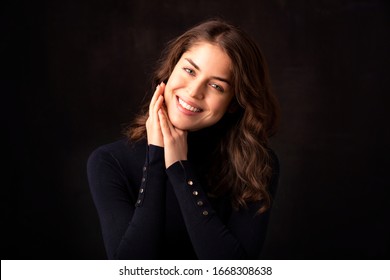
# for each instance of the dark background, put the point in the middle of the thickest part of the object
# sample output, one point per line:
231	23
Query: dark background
74	72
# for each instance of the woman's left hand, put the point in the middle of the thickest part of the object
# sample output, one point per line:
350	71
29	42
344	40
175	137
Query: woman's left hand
175	140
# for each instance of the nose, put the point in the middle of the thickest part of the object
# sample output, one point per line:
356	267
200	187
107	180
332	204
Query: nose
196	90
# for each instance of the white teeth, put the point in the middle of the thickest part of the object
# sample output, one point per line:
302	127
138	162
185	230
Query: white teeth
188	107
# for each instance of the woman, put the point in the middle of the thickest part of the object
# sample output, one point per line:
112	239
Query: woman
194	178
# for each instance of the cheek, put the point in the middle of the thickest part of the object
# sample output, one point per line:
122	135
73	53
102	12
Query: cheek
175	78
174	83
169	90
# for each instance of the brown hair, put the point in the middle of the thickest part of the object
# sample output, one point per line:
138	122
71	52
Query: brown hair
243	166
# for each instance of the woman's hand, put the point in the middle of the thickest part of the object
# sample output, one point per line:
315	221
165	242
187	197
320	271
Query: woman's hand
175	140
153	128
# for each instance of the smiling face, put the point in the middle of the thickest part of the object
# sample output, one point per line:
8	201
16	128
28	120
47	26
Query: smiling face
199	91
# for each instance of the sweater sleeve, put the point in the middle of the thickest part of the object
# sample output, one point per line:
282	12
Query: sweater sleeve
241	237
131	226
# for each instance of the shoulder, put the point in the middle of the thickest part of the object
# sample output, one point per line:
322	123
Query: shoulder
120	146
121	153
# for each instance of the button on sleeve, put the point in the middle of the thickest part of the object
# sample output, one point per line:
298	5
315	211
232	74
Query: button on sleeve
141	192
188	189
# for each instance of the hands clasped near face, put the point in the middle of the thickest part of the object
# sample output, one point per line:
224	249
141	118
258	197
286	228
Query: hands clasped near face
161	132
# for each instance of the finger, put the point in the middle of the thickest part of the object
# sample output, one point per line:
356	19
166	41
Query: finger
170	125
159	103
154	97
164	124
157	93
154	112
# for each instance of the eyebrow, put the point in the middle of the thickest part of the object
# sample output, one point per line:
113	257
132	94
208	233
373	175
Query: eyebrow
213	77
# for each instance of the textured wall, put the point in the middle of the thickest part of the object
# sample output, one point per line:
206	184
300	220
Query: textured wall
77	70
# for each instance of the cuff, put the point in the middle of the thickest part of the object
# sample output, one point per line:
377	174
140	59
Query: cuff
188	189
152	173
154	154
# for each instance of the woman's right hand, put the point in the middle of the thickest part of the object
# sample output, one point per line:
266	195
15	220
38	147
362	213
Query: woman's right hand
153	128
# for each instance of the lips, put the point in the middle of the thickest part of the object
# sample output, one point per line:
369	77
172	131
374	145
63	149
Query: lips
188	107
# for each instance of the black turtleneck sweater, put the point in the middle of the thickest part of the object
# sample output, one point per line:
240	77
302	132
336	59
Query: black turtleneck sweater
149	212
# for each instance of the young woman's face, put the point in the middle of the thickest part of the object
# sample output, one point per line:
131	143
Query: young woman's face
198	92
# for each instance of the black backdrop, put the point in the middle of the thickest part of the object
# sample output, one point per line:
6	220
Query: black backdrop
75	71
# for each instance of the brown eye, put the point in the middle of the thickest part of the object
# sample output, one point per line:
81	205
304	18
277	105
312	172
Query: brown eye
217	87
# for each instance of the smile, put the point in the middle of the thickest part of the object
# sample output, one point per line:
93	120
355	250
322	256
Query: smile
188	106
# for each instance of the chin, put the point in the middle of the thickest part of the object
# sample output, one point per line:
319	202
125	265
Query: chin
183	125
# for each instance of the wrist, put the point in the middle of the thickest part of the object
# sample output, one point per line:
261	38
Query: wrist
170	161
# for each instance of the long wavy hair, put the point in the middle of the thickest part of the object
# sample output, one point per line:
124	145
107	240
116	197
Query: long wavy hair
243	165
